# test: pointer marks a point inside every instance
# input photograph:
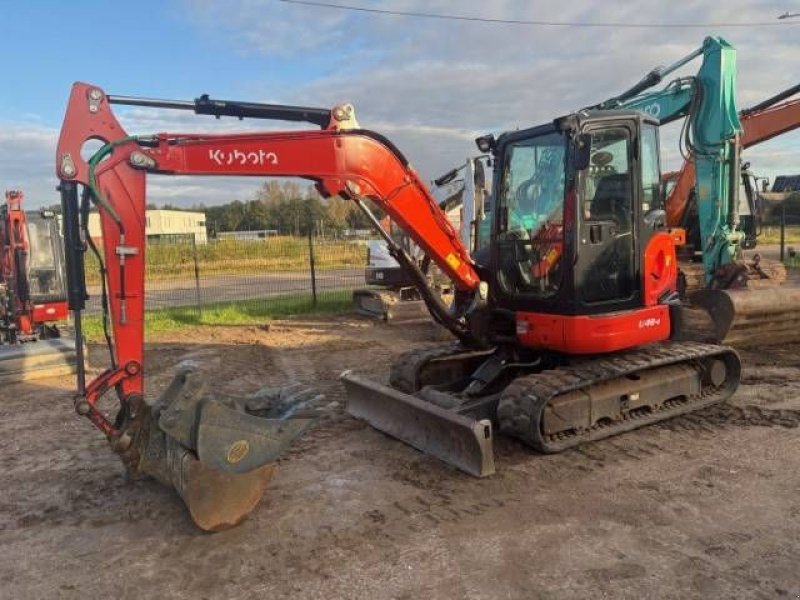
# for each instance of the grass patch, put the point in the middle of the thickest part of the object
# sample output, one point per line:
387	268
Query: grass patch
772	234
244	312
170	260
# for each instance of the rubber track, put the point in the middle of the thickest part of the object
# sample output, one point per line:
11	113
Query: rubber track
403	375
522	403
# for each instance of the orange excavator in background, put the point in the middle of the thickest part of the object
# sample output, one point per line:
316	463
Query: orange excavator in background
567	327
33	301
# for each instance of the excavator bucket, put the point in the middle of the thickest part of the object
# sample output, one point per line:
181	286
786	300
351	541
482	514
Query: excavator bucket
457	439
36	360
220	452
758	315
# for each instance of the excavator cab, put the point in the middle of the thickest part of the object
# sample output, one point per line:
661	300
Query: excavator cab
46	277
33	300
577	207
575	335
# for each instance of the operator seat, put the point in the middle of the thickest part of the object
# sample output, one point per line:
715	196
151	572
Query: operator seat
612	201
611	275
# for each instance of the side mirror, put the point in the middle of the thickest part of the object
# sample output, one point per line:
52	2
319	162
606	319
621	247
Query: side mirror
486	143
583	151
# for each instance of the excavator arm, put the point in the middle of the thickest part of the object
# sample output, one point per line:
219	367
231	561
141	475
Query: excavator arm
711	136
768	119
714	134
340	158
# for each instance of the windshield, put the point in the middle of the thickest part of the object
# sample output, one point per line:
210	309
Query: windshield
531	205
43	274
533	182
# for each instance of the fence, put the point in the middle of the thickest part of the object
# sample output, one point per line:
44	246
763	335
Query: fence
784	227
779	232
184	275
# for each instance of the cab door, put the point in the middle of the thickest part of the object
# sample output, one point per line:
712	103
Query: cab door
606	264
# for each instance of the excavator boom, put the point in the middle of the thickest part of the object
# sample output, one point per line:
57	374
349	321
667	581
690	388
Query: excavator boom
713	136
766	311
768	119
340	158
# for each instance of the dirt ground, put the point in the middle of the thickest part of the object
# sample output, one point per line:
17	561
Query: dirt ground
705	506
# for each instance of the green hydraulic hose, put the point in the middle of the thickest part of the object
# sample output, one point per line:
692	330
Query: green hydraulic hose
92	179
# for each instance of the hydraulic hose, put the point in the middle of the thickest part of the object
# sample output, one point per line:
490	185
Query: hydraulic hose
97	197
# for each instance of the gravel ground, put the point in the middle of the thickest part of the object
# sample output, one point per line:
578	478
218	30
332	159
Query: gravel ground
703	506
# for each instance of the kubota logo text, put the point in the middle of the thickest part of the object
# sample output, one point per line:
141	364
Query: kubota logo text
237	157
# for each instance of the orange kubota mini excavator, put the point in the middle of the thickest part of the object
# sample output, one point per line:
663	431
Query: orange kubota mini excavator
564	327
33	301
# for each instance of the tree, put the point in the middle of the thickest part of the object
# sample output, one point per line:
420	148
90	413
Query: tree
287	207
255	218
336	211
356	219
232	216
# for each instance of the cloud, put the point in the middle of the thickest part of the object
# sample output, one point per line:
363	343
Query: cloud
27	159
431	86
435	76
253	28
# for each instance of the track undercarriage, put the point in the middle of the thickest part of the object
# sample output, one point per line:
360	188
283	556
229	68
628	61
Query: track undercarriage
446	400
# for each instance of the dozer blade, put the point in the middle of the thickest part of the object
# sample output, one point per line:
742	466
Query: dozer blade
37	360
753	316
220	452
454	438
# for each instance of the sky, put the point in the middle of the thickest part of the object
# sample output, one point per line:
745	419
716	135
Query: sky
429	85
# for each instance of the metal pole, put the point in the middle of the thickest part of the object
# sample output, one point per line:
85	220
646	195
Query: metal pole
313	268
197	278
783	228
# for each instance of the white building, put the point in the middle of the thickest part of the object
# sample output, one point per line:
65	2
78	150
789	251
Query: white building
247	236
162	224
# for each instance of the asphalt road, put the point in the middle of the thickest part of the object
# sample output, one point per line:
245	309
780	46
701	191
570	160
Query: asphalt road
227	288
